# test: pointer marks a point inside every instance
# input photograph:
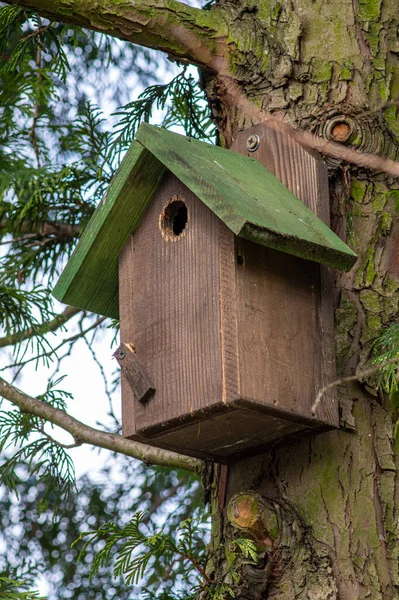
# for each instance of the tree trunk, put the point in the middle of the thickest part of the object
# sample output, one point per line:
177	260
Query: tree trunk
323	510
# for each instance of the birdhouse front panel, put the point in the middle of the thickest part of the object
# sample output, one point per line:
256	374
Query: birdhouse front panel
176	309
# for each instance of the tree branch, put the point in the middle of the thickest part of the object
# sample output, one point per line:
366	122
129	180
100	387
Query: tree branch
47	327
357	377
45	228
69	340
158	24
84	434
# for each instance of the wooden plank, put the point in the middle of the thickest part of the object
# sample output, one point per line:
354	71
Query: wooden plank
90	279
127	332
301	172
226	435
302	310
176	329
228	314
135	373
248	198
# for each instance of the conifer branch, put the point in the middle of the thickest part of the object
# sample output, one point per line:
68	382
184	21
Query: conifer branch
45	228
84	434
70	340
43	328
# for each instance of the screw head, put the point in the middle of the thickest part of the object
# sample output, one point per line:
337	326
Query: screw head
121	354
253	142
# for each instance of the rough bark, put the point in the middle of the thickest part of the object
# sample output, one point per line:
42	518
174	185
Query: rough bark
335	495
324	511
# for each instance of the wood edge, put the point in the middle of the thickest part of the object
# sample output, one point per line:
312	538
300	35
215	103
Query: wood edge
67	289
228	314
298	247
126	332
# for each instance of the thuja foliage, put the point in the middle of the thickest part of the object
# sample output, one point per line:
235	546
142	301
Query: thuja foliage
137	547
165	495
15	590
57	156
385	354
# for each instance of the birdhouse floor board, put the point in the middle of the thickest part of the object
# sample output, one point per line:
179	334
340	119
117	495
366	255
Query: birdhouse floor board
231	432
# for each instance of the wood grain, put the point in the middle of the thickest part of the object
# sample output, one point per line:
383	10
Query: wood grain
176	310
126	266
309	308
228	314
135	373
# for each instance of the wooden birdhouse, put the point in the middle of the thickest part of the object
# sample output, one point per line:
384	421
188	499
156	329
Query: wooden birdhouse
219	275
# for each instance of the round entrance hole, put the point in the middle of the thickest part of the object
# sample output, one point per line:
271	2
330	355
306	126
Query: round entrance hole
174	218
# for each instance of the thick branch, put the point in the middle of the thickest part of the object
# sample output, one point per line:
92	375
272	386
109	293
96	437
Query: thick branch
48	327
182	31
83	434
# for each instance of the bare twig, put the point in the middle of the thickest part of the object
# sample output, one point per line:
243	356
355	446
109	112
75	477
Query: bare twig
56	442
68	340
84	434
357	377
37	31
43	328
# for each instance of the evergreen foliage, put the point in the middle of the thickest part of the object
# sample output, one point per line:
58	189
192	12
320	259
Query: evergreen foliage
137	549
14	590
58	153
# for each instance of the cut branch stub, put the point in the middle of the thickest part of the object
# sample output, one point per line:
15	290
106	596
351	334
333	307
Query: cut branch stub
133	370
253	515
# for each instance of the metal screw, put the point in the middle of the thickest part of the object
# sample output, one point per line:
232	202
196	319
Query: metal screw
253	142
121	354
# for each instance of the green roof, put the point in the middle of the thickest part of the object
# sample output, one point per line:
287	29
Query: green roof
249	199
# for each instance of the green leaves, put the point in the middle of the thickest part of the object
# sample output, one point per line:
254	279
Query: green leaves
247	548
137	548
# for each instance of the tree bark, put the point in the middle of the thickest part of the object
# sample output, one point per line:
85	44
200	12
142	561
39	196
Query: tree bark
324	510
328	505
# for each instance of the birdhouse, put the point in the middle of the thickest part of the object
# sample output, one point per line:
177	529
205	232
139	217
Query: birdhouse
220	277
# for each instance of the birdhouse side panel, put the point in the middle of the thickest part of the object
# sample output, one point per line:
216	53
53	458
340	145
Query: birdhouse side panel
176	318
280	342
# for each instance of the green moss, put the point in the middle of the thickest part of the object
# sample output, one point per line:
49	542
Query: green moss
391	118
391	307
345	320
295	91
370	301
380	197
370	273
369	10
358	190
346	71
321	70
371	328
386	222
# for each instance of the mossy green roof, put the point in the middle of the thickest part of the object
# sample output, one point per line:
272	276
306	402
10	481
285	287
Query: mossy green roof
249	199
